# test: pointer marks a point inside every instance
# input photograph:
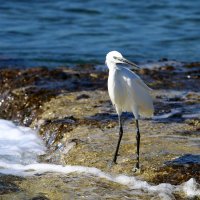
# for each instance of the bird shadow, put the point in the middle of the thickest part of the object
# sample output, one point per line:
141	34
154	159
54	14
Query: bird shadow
110	116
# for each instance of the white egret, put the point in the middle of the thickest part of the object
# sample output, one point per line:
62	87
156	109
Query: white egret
128	93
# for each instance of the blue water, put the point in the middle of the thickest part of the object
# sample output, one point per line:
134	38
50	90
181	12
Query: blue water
61	32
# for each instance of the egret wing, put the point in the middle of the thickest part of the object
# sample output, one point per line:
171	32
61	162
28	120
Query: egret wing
141	101
138	80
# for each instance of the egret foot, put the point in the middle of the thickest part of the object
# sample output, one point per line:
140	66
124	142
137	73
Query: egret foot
136	170
111	164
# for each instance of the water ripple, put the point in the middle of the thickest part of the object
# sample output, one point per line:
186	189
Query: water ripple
140	29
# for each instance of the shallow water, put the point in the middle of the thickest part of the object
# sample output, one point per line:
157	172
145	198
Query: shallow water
61	32
24	144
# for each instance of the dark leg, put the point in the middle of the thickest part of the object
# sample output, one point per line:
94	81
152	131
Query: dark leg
119	140
138	144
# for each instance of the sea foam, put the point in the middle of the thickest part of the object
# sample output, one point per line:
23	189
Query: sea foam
20	146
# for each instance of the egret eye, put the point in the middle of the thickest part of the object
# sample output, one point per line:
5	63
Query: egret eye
117	58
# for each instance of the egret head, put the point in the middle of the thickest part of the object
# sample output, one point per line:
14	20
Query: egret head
116	57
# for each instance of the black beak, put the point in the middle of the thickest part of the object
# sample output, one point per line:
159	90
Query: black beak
128	62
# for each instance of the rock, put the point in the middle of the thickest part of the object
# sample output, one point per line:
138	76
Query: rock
72	111
7	187
8	184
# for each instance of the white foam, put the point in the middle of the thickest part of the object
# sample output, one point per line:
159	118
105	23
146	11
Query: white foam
163	189
19	144
191	188
24	145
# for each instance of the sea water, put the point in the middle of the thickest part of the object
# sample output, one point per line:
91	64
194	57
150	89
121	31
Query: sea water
64	32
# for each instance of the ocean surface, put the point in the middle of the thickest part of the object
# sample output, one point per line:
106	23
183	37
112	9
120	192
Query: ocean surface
61	32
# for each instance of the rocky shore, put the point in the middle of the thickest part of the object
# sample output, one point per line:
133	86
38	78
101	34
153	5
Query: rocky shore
72	112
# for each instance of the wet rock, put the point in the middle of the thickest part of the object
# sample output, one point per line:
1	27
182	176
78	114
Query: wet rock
144	71
40	197
194	123
192	97
7	187
8	184
72	112
23	92
192	65
168	68
83	96
176	174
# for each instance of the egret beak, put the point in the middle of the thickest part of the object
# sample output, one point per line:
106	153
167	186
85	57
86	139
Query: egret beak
130	63
124	60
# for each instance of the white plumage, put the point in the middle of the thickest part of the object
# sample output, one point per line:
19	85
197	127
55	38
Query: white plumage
127	91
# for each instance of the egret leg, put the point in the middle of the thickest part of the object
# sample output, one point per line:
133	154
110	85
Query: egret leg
138	144
119	140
